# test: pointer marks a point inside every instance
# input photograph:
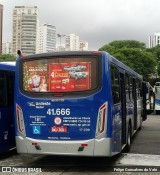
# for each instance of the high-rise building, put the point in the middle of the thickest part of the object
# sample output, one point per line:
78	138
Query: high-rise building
154	40
1	26
25	26
72	42
83	45
46	40
7	48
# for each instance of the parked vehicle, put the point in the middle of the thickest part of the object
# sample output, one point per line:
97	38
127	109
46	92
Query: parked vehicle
96	116
7	132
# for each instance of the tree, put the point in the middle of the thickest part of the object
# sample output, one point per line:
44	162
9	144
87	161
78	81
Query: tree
133	54
119	44
7	57
156	51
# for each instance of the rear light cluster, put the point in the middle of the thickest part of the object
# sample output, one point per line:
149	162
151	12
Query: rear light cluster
20	120
101	120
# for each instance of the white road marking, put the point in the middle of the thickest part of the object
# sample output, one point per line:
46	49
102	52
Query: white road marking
140	159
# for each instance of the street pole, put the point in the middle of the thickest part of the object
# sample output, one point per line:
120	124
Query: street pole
60	36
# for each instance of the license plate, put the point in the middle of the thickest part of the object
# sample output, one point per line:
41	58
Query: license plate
59	129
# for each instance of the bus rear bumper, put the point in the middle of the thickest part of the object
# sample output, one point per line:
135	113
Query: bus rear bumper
92	147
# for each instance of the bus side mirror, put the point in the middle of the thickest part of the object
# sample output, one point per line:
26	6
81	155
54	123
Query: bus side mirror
3	89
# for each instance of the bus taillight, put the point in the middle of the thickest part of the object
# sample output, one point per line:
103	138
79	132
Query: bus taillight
101	120
20	120
96	52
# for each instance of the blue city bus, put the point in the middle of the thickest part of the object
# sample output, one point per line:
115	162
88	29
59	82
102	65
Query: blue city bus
157	97
76	103
150	98
7	134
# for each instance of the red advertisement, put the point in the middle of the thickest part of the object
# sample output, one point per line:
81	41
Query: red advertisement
49	76
66	77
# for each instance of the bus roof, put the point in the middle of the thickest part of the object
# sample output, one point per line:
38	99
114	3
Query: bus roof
7	66
75	53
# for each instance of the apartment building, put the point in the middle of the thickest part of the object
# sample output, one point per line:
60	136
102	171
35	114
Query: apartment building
72	42
25	27
154	39
1	26
46	40
7	48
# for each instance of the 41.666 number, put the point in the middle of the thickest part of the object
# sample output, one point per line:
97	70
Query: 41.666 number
58	111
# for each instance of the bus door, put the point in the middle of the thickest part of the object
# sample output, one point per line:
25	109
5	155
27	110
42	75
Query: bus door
123	107
139	102
116	109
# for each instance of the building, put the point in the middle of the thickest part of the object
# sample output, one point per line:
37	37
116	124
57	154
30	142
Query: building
1	26
7	48
25	26
83	45
60	49
46	40
154	40
72	42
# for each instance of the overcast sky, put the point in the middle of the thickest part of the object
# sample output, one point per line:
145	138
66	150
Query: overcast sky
96	21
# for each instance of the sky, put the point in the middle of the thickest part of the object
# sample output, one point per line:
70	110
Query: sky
97	21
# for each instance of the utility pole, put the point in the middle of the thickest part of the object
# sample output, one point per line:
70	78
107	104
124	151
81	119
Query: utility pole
60	36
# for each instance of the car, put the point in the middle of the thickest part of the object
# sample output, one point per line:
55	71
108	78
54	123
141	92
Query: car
75	68
67	68
81	67
78	74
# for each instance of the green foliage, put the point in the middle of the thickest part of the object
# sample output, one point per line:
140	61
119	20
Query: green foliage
133	54
7	57
156	52
119	44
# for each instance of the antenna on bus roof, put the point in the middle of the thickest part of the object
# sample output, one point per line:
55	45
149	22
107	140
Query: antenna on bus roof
19	53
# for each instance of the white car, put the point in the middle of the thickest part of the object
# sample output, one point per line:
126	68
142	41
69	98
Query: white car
75	68
78	74
67	68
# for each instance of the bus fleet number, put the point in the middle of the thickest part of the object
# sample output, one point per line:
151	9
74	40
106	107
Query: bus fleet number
58	111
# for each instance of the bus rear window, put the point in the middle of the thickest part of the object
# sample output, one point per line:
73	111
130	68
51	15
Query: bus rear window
60	74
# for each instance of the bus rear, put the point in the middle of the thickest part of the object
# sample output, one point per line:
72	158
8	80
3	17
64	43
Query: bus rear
62	104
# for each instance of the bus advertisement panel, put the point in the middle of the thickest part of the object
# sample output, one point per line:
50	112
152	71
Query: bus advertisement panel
56	77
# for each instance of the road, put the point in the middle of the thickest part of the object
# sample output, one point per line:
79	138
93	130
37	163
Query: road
147	141
145	151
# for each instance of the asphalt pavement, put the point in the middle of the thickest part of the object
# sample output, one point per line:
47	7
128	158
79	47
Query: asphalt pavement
147	141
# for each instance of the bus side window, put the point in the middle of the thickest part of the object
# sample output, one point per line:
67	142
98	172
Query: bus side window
115	85
131	87
139	89
3	89
127	89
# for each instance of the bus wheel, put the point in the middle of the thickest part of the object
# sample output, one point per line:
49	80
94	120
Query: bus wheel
128	146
